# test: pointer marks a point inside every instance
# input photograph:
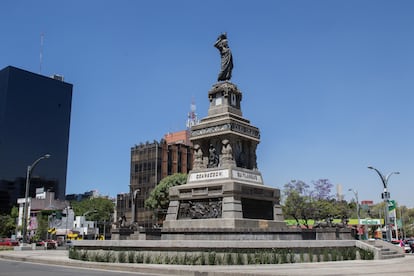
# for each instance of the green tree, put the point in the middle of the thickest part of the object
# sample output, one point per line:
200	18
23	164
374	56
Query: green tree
42	225
98	209
8	223
297	202
408	221
304	204
342	209
323	209
405	217
292	206
159	196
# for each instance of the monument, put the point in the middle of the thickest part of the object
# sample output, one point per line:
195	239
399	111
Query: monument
224	197
225	214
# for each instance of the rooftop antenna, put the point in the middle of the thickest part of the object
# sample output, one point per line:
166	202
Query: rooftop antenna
192	119
42	36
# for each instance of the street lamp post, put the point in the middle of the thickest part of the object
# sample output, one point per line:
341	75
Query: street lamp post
88	212
26	195
386	196
104	228
67	224
357	206
84	218
134	200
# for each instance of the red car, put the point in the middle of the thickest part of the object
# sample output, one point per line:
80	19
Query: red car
8	242
49	244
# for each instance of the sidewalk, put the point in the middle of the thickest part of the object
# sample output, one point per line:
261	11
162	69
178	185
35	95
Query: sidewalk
396	266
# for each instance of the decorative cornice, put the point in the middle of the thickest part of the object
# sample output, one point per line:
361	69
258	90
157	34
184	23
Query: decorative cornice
240	128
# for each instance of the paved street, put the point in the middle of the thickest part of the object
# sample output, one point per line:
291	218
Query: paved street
397	266
18	268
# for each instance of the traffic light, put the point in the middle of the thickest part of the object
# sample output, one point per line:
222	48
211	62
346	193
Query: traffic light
385	195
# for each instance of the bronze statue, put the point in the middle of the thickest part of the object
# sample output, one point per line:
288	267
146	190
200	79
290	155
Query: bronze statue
213	158
226	58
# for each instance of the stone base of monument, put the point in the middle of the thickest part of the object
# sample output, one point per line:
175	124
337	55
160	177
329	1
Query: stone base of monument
121	233
230	234
224	203
128	233
254	234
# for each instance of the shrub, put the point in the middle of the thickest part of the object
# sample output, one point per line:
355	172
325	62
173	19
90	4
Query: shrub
211	258
203	259
366	254
229	259
122	257
219	259
83	256
139	258
158	259
301	257
147	259
96	257
74	254
167	259
131	257
108	256
283	257
250	258
325	254
334	255
239	257
175	259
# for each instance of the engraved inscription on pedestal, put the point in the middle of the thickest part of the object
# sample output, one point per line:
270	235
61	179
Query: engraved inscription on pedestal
251	177
209	175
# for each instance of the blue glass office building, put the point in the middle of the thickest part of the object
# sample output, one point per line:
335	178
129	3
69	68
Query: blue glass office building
34	120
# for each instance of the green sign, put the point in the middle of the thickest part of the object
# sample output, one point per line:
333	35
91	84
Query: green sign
370	221
391	205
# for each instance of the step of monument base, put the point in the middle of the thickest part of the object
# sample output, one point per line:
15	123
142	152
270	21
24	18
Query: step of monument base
225	224
227	229
278	231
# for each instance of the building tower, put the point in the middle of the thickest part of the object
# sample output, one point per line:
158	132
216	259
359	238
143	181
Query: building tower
34	120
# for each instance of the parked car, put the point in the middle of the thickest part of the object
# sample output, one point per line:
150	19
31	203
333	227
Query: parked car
404	244
49	244
396	242
40	243
411	244
69	244
8	242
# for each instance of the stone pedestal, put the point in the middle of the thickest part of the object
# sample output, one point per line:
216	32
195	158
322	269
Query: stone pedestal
224	198
226	209
121	233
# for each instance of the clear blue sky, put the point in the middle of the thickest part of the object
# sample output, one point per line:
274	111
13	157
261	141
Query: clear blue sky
330	84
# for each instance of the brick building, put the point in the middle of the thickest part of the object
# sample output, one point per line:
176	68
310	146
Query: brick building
151	162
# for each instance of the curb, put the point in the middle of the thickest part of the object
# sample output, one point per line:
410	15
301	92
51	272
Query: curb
127	267
396	266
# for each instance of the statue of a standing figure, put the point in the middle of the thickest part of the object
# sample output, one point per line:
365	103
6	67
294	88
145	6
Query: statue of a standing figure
213	158
226	58
226	153
198	157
